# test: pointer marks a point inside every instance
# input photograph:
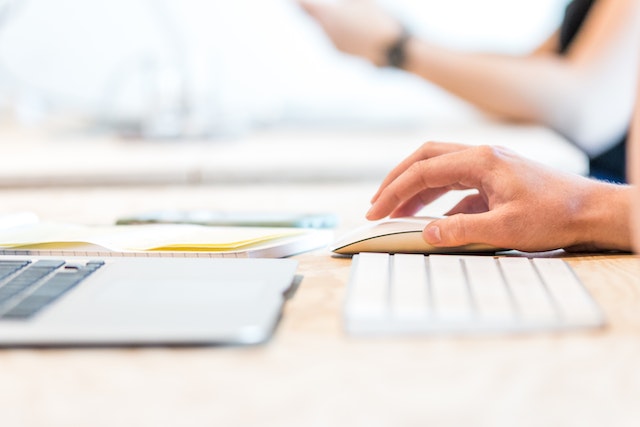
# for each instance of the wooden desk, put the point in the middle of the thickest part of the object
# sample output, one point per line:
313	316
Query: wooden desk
311	373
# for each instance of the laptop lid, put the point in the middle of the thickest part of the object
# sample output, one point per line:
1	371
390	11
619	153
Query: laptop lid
146	301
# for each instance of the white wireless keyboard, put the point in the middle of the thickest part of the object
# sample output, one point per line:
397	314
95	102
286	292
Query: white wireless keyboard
409	293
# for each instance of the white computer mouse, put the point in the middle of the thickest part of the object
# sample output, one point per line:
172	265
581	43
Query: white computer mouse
398	235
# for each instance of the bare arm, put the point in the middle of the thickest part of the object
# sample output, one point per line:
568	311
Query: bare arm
587	94
549	46
633	160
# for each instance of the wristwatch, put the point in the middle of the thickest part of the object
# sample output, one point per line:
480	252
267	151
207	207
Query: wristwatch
396	52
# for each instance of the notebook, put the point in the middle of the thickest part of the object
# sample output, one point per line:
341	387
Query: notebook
54	301
158	240
470	294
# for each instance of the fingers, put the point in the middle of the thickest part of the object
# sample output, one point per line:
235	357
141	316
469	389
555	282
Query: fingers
305	4
465	168
413	205
426	151
316	8
312	8
474	203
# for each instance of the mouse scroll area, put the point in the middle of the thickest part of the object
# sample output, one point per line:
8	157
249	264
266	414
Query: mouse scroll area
398	235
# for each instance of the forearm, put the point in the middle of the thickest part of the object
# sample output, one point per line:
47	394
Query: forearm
585	94
589	102
513	87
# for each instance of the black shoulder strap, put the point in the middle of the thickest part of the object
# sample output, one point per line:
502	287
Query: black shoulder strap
575	15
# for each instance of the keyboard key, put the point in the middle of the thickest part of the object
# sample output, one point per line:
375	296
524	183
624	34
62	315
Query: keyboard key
27	278
489	291
410	287
51	264
531	296
370	286
449	290
575	305
47	291
7	268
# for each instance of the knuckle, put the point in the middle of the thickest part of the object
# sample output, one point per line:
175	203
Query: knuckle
495	151
427	148
487	152
391	196
489	155
417	173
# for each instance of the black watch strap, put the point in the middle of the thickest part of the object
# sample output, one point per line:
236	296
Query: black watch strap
396	53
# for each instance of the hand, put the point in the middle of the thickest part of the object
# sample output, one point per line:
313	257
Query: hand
356	27
520	204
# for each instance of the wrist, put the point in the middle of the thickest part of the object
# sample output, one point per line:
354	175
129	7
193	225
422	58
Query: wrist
395	53
604	220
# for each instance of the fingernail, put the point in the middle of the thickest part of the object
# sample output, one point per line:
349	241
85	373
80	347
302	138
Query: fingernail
432	234
370	211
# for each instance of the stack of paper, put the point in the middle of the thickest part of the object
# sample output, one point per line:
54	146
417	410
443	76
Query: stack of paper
160	240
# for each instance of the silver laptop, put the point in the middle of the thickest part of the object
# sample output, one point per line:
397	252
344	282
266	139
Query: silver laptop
56	301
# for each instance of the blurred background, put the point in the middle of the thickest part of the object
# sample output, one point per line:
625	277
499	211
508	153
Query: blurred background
170	69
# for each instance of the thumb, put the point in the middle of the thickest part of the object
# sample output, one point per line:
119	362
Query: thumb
309	6
461	229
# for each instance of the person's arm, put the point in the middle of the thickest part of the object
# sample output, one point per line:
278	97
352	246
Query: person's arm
549	46
633	166
520	204
586	94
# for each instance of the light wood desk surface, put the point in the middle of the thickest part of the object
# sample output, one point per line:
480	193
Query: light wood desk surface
311	373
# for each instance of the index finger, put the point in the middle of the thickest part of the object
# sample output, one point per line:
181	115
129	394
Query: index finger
426	151
466	168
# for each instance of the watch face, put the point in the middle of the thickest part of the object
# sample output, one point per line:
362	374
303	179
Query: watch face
396	52
396	57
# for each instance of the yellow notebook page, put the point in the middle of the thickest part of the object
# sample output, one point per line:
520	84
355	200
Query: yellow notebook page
156	237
